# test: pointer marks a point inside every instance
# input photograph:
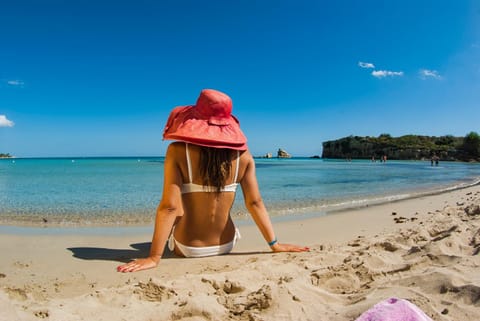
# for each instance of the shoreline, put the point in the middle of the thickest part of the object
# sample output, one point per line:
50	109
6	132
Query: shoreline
47	224
420	249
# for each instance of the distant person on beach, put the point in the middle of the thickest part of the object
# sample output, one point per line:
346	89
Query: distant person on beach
202	170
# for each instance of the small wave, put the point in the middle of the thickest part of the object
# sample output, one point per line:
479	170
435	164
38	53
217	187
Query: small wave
329	207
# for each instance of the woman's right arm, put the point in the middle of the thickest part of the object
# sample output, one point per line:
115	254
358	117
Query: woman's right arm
168	210
256	207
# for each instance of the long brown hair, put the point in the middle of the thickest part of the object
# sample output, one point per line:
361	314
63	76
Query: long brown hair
215	166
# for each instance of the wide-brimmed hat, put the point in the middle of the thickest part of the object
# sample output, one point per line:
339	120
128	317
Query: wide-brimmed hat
207	123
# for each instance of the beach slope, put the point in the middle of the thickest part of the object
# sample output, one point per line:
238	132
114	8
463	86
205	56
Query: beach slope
424	250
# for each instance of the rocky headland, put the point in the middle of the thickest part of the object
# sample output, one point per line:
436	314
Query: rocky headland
408	147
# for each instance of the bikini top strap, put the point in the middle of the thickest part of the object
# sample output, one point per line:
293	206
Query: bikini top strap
189	164
238	165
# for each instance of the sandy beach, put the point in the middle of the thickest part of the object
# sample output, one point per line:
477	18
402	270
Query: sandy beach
424	250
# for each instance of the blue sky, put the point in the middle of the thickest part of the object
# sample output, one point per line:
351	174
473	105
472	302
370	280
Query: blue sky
99	78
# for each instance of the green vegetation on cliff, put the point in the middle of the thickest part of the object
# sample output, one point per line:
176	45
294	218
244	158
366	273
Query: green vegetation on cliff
5	155
405	147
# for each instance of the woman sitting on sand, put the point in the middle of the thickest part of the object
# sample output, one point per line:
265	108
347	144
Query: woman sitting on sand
201	174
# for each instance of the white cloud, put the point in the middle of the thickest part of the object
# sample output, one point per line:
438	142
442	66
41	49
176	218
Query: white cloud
386	73
379	73
425	73
366	64
4	122
15	82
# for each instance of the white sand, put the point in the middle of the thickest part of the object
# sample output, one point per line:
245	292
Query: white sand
426	252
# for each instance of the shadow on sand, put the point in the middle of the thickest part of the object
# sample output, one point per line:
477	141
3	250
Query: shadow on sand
126	255
121	255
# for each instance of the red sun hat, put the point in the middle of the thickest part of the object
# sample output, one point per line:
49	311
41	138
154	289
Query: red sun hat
208	123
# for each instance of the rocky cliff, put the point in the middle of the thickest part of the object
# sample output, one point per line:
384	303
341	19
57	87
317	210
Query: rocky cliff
404	147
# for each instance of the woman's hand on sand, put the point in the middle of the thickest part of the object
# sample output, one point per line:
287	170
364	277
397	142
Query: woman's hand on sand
281	247
137	265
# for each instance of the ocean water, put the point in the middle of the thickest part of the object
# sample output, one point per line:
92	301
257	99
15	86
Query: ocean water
126	191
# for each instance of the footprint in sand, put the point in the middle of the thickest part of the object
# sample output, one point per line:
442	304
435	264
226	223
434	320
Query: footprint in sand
244	306
472	210
191	313
42	314
17	294
19	264
387	246
343	279
153	292
227	287
442	283
232	287
400	219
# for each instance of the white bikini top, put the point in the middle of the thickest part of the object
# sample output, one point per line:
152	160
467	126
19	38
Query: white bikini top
191	187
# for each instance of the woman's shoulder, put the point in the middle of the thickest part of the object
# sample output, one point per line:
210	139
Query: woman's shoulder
175	149
176	146
246	154
246	158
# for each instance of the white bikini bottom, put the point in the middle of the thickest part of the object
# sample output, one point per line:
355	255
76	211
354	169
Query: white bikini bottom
201	251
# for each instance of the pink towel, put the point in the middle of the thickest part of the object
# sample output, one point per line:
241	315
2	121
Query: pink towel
394	309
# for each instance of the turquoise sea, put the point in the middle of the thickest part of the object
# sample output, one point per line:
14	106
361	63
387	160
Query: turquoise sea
126	191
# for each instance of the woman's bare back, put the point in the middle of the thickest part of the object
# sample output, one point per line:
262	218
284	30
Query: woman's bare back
206	217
